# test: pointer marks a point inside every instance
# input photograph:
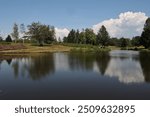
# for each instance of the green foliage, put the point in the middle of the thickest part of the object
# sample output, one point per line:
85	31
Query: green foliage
1	39
82	39
15	33
71	36
124	42
114	42
85	37
136	41
42	33
90	36
8	39
145	37
103	36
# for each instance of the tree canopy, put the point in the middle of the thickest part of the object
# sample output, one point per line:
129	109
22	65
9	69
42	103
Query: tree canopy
103	36
15	33
145	37
41	32
8	38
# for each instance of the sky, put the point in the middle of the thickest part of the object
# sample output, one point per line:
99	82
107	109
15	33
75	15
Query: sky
122	18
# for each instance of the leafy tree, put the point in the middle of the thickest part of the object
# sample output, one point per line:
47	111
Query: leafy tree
41	33
8	39
65	39
90	36
114	42
82	38
124	42
59	40
103	36
136	41
15	33
145	37
77	37
48	34
22	31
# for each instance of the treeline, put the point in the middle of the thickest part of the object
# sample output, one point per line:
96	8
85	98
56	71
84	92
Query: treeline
102	38
41	33
36	33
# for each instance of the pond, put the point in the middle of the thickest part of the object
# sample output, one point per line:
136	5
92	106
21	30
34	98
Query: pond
116	75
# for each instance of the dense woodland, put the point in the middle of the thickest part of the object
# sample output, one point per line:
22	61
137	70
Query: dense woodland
45	34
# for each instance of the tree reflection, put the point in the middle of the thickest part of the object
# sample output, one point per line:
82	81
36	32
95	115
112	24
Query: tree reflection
145	64
15	66
85	61
39	66
9	61
103	61
0	64
81	61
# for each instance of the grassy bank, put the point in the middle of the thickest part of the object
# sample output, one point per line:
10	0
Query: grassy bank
28	48
12	48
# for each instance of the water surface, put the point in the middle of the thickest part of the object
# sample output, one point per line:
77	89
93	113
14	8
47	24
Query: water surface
114	75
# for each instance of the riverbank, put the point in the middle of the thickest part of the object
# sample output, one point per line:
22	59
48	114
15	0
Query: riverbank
20	49
28	48
33	49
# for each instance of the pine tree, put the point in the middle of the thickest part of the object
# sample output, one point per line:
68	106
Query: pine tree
145	37
103	36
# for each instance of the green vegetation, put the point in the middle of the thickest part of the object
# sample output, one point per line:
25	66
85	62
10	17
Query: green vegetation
38	35
42	33
103	37
8	39
145	37
15	33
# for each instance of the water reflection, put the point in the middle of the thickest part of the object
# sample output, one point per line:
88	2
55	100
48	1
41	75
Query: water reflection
34	67
114	75
145	64
9	61
88	61
125	66
40	66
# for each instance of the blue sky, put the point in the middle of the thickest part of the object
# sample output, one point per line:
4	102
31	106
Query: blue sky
66	13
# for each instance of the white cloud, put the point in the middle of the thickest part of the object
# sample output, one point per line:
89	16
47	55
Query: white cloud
128	24
61	32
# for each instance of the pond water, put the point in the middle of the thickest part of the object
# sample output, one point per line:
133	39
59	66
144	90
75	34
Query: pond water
85	76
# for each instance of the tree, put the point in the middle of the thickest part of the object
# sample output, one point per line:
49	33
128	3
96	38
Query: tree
71	36
145	37
136	41
82	38
124	42
59	40
114	42
65	39
1	39
103	36
15	33
8	39
90	36
49	34
22	31
42	33
77	36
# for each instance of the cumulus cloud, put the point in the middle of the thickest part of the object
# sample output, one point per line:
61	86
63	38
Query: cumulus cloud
61	33
128	24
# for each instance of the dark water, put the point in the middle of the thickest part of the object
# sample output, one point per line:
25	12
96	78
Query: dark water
114	75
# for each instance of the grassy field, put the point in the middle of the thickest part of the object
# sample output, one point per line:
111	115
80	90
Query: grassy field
10	49
37	49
